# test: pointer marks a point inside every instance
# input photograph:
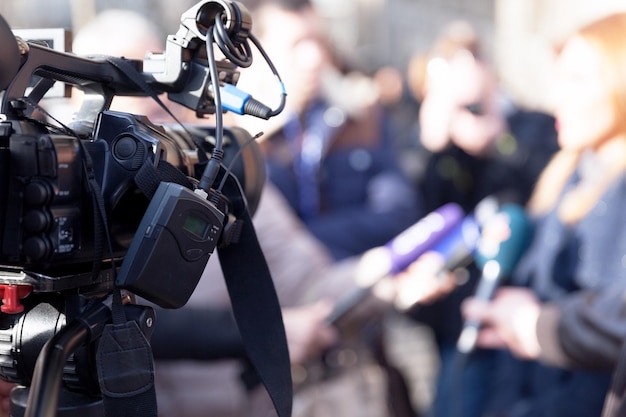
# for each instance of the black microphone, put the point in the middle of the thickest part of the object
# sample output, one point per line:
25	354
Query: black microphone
399	253
503	241
459	246
456	249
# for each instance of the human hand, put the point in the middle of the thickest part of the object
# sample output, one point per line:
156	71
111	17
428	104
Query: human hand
508	321
451	83
307	332
5	397
424	281
438	106
462	105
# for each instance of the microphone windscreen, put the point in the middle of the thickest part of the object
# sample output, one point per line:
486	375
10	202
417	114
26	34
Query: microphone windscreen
422	236
457	247
505	238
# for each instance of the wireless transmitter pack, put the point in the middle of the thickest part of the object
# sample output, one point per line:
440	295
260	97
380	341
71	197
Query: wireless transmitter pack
179	228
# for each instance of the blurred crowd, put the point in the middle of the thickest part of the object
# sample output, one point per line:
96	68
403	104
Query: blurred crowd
354	160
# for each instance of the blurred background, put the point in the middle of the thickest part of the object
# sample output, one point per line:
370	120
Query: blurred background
517	35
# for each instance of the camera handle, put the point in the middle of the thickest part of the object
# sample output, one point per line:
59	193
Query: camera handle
46	389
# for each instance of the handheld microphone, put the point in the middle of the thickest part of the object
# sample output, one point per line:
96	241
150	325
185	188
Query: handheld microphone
456	250
399	253
503	241
405	248
458	247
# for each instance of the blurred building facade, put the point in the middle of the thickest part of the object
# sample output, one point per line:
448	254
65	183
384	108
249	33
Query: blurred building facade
517	34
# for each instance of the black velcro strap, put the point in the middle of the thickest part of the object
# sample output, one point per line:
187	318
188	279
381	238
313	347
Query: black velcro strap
148	177
258	315
126	372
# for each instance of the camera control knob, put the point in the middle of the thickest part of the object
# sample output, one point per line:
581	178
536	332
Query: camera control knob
37	248
37	193
125	147
36	221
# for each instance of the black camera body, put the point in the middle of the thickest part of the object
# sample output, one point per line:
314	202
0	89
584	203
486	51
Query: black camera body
41	192
48	214
49	218
48	231
110	206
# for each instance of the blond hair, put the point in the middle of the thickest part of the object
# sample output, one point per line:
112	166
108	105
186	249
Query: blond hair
607	36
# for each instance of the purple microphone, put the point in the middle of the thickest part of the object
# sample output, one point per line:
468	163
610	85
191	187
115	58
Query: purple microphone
399	253
422	236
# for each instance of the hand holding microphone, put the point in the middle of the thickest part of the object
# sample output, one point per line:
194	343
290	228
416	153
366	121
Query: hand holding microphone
508	321
439	270
504	240
382	263
417	265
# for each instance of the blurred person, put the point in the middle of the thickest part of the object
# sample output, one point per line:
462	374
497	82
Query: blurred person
405	105
400	93
579	244
346	380
479	138
481	145
327	152
133	38
585	330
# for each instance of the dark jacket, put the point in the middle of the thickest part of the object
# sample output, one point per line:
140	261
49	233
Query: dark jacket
340	175
588	331
562	260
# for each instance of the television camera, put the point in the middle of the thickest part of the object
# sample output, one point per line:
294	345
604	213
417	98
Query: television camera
111	206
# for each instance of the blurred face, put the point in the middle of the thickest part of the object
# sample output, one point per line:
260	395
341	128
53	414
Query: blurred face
583	101
293	42
477	121
462	97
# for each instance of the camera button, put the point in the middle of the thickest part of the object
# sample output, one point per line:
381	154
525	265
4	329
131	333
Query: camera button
125	147
193	254
37	248
37	193
36	221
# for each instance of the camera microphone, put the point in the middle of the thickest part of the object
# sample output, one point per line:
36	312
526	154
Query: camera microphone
504	240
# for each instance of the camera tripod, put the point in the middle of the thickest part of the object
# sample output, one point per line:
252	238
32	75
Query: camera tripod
58	386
